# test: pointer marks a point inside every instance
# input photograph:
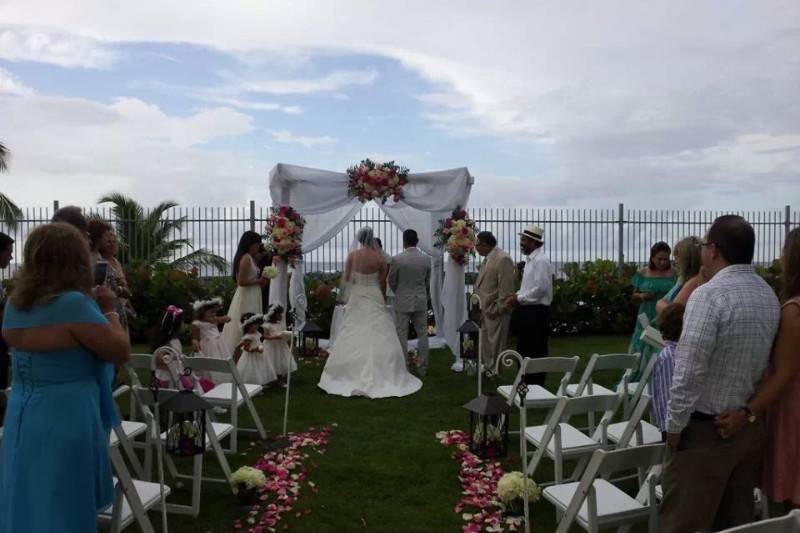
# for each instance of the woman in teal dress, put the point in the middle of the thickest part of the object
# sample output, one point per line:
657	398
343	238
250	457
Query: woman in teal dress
650	285
55	473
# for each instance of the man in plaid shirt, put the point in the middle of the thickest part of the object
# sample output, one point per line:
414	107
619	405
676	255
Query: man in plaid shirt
728	330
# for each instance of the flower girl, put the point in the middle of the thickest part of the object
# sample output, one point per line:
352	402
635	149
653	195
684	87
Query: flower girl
275	347
168	336
253	366
206	338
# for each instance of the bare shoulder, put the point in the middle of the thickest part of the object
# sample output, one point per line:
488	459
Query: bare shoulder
790	313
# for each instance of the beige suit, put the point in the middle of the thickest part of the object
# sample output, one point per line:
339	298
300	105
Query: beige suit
494	285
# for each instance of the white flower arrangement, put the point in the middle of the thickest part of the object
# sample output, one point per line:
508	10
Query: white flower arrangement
493	433
251	478
270	272
512	487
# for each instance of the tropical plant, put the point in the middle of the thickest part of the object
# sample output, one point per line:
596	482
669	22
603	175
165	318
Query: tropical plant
9	212
146	237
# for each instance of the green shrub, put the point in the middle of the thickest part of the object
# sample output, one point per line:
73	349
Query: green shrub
593	298
155	287
321	292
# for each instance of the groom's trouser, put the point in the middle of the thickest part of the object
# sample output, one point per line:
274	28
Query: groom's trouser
494	334
420	321
531	325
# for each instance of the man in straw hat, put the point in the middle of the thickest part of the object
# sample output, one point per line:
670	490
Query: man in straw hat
530	320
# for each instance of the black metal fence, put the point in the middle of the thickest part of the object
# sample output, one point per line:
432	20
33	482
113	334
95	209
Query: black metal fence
571	234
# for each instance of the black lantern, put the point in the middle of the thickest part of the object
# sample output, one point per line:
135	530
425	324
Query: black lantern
186	423
469	339
309	340
488	426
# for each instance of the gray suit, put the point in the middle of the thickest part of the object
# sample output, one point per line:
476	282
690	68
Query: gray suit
409	278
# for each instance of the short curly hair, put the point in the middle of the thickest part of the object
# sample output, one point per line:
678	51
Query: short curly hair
671	321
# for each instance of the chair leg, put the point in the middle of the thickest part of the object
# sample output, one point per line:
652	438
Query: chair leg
197	483
220	454
235	432
131	455
128	488
253	413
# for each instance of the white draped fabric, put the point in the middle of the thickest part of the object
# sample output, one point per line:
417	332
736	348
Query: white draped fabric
321	197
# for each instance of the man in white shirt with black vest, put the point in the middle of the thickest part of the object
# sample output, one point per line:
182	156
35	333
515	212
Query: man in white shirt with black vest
530	320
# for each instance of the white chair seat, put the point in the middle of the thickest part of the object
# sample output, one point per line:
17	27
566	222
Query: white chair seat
130	429
222	393
149	494
613	505
650	433
573	441
537	397
597	390
222	430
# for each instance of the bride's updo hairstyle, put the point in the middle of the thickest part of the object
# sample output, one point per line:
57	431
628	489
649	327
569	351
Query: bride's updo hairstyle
366	238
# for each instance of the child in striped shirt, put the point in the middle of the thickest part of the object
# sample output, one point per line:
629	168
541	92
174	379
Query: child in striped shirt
671	325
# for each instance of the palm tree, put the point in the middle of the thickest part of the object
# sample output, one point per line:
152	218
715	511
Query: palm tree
9	212
146	237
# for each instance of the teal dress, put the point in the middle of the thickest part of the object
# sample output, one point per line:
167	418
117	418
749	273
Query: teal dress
660	287
55	472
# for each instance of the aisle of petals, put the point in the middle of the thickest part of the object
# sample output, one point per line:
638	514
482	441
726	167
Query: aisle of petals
479	508
286	474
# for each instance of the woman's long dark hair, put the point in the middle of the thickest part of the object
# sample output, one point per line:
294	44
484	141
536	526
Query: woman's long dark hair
168	328
657	248
248	239
791	261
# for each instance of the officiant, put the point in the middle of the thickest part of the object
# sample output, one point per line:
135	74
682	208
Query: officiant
530	319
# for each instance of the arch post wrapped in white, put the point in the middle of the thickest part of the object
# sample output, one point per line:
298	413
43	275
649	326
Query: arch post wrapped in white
322	198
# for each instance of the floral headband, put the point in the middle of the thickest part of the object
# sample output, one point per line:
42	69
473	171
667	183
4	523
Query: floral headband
252	320
207	303
172	311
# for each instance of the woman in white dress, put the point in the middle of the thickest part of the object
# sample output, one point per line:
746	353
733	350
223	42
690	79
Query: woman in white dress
367	359
247	298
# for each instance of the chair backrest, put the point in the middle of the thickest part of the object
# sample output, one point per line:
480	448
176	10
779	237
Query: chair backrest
612	361
789	523
209	364
568	407
551	365
637	415
644	321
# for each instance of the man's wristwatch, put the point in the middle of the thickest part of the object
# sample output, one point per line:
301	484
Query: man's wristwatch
751	417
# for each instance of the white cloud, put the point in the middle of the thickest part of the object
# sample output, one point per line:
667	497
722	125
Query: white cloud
287	137
254	106
11	85
76	150
64	50
333	82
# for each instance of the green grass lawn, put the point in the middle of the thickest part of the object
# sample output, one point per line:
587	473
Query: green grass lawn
383	470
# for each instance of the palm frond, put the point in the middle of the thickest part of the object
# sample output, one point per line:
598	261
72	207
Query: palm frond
201	257
4	156
9	212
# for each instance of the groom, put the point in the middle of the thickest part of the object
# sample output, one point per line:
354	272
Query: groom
409	277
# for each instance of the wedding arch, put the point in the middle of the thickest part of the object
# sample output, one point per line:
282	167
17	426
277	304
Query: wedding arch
323	199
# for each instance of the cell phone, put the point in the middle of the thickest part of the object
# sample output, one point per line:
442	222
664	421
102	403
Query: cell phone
100	273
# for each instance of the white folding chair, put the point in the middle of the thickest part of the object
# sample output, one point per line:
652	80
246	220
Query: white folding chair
599	363
789	523
635	431
536	396
594	503
134	497
231	396
138	362
215	431
558	440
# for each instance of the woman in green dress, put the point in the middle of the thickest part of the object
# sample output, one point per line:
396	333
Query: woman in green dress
650	285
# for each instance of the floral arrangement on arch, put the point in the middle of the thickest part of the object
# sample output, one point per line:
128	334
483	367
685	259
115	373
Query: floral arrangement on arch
456	236
285	233
377	181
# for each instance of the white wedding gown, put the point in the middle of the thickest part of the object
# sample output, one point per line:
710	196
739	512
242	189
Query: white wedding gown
366	359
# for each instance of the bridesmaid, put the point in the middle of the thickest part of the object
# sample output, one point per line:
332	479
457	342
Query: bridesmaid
779	395
650	285
55	472
247	298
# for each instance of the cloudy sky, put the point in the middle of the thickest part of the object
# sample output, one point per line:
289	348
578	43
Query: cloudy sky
655	104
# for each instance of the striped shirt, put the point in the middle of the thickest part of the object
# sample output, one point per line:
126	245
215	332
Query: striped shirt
661	383
728	330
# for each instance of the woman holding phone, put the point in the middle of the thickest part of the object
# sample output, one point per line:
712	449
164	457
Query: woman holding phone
108	271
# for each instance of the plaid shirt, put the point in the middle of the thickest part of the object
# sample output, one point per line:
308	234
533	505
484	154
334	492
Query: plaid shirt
661	383
728	330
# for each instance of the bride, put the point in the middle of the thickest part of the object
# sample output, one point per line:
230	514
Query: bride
367	358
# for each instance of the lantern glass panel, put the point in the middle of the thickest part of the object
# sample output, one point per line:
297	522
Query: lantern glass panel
186	433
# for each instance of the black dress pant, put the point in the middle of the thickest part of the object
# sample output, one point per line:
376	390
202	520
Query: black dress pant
531	325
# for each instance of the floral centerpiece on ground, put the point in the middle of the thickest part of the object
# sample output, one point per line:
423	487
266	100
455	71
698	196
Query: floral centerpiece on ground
456	236
247	481
511	489
285	233
377	181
